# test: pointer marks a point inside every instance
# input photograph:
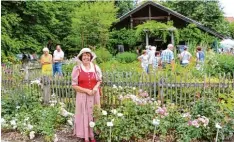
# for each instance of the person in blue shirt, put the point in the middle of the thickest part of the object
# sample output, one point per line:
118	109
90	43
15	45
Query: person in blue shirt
167	56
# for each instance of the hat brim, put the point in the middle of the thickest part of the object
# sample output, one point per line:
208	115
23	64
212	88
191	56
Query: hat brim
92	53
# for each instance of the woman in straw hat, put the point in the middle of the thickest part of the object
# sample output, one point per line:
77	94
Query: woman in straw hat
86	79
46	62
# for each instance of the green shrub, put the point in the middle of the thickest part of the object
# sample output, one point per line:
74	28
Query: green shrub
226	63
103	55
126	57
114	65
216	63
25	108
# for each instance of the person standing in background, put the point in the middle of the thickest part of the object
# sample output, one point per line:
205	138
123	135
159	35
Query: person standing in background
167	56
185	57
144	58
46	62
57	60
200	58
151	57
156	61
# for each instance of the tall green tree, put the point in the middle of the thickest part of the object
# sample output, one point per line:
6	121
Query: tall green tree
208	13
124	6
91	23
29	25
231	26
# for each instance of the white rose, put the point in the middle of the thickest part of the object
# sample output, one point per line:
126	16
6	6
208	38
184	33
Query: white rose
114	111
3	121
218	126
104	112
110	124
70	114
30	126
26	119
134	88
156	122
62	104
31	135
13	122
114	86
36	82
55	138
52	105
53	95
70	122
63	112
91	124
119	114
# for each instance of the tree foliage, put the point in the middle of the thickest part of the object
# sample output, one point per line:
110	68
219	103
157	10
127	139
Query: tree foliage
28	26
231	26
124	6
208	13
124	37
192	34
91	23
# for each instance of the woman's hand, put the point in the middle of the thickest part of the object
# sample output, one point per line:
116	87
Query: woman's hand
95	90
89	92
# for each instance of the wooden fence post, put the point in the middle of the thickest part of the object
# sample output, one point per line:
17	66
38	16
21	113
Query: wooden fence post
46	89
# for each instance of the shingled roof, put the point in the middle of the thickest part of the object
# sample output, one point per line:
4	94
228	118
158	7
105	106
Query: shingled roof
174	13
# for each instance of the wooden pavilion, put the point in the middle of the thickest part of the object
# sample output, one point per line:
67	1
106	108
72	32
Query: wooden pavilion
154	11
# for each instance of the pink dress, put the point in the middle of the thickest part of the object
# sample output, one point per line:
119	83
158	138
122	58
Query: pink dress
84	102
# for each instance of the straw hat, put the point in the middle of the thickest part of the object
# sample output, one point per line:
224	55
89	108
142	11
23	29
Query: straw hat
45	49
86	50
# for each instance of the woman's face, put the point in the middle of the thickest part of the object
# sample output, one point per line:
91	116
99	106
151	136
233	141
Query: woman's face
46	52
86	57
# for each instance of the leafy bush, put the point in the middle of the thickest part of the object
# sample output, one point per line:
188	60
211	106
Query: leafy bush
219	63
114	65
24	112
126	57
126	127
103	55
226	63
211	108
123	36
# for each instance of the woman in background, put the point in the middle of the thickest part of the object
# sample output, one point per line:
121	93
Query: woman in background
46	62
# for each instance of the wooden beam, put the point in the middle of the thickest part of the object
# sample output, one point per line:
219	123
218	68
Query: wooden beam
131	22
149	12
169	17
146	18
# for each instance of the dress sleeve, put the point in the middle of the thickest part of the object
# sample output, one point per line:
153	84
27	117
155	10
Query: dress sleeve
99	73
74	75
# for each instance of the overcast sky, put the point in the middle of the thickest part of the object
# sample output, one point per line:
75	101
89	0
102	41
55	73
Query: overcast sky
228	7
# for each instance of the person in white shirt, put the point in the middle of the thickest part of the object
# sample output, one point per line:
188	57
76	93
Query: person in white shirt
185	57
151	57
57	60
144	58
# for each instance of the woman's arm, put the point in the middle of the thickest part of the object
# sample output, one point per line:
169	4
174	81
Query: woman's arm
83	90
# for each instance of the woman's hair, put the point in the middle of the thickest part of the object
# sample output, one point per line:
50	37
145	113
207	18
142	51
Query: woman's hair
157	53
198	48
143	51
91	57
